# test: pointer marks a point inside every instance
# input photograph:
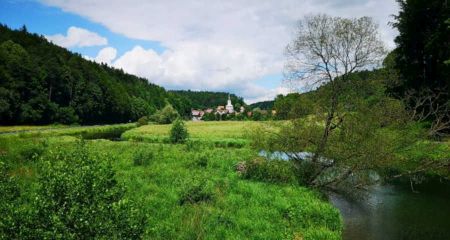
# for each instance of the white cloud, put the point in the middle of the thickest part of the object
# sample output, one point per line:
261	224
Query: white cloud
215	44
264	94
106	55
78	37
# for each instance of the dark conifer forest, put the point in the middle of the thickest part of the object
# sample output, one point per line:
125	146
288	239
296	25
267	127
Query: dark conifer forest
42	83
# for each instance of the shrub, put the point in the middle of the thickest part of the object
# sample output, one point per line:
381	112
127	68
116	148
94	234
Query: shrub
79	198
33	151
143	157
274	171
142	121
193	145
178	132
320	220
165	116
202	161
66	115
10	194
195	193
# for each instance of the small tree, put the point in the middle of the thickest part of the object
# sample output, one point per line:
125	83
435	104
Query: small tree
165	116
327	50
178	133
142	121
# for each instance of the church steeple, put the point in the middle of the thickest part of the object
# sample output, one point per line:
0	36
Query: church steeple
229	106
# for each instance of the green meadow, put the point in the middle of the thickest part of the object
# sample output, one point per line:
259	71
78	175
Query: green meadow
220	134
184	191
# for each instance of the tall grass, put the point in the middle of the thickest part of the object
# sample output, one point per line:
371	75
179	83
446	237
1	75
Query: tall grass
193	191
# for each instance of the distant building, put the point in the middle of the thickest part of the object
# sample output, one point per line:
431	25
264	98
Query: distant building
197	114
229	107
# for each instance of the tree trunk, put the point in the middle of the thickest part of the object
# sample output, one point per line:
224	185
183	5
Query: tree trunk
319	168
326	132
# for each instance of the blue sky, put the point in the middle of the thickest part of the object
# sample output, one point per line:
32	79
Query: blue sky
47	20
234	45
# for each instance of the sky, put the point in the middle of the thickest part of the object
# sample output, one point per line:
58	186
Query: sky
233	46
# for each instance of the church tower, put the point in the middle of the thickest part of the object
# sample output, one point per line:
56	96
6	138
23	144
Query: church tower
229	106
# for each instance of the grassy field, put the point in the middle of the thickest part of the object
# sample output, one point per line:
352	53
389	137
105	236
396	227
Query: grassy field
159	176
8	129
87	132
226	133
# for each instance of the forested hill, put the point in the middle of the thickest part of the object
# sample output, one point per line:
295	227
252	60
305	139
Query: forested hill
265	105
204	99
42	83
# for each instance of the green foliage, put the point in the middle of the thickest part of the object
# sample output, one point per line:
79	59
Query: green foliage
273	171
31	152
421	54
257	114
307	216
264	105
66	115
216	203
165	116
196	192
9	202
142	121
41	83
79	198
143	157
293	106
201	161
178	132
204	99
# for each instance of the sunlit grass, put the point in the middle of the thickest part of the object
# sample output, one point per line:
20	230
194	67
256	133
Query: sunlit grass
236	208
28	128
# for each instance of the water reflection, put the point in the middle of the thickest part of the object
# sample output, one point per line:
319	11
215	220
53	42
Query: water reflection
395	212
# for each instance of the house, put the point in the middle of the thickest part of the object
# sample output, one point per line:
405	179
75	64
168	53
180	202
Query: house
197	114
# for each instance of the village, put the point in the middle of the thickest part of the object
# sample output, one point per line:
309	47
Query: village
226	112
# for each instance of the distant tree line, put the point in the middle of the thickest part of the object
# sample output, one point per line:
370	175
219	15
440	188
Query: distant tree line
264	105
206	99
41	83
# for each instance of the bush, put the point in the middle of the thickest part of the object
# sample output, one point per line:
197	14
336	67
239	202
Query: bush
193	145
142	121
33	151
274	171
195	193
202	161
79	198
178	132
10	194
143	158
66	115
165	116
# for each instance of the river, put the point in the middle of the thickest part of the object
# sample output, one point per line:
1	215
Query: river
393	211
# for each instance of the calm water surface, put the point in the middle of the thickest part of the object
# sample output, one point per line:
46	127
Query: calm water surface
395	212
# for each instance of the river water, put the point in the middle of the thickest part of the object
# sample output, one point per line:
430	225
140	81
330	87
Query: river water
393	211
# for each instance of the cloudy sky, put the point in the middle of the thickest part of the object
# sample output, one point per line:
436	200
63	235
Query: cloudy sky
233	45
